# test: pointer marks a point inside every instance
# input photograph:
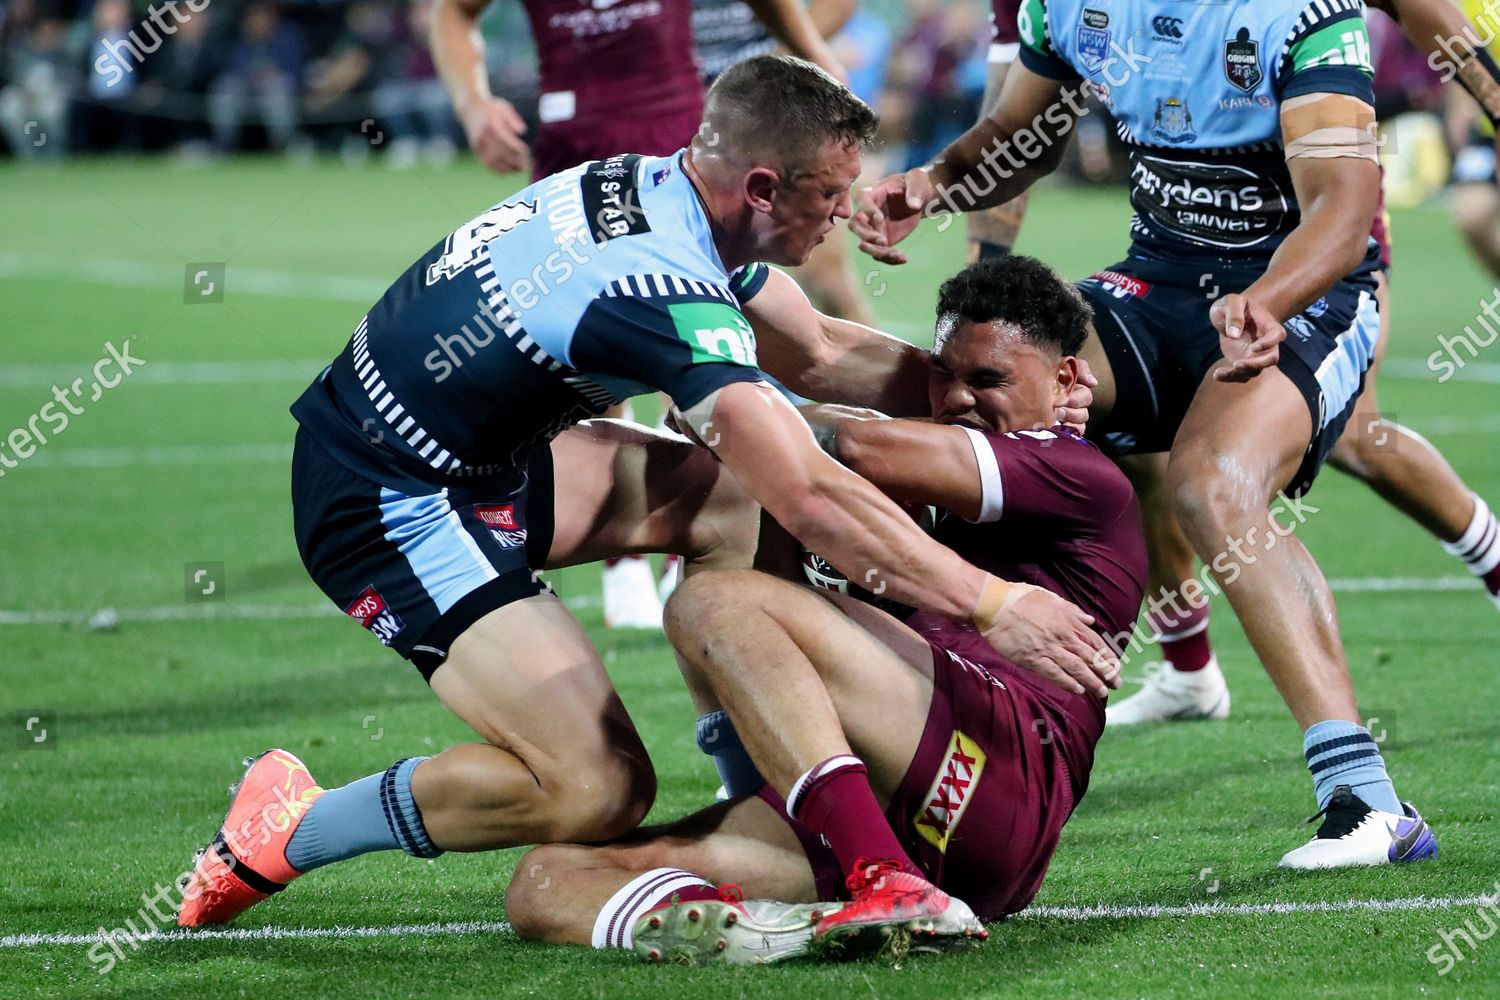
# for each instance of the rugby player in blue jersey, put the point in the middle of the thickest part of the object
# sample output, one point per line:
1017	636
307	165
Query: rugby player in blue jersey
434	474
1239	329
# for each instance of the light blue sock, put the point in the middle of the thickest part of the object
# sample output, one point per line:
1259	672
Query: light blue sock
717	738
376	813
1344	753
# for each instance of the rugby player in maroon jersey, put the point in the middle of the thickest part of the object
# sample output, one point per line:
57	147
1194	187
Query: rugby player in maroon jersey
905	765
615	75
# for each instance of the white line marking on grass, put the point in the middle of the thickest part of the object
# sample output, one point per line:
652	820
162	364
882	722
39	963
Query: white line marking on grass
137	457
1417	371
1144	911
142	274
171	373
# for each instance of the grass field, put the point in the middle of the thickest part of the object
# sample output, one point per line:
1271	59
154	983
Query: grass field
185	463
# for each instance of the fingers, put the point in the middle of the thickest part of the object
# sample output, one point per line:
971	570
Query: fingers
1228	314
884	254
1246	368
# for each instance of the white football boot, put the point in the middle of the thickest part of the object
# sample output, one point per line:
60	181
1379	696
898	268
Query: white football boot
1171	695
630	599
728	930
1353	835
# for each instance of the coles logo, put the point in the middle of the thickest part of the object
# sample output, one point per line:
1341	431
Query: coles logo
1120	285
951	791
371	611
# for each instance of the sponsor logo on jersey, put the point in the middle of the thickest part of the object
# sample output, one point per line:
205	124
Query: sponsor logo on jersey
714	332
371	611
1093	37
611	199
1121	285
951	792
501	520
466	244
1242	61
1212	204
1173	122
1167	29
1241	103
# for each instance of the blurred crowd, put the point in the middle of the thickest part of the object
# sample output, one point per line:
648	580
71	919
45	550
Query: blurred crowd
200	77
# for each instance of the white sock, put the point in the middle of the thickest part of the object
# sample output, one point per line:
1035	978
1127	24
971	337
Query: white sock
1479	546
614	926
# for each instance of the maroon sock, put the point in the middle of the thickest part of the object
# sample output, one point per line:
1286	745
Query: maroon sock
1184	638
834	799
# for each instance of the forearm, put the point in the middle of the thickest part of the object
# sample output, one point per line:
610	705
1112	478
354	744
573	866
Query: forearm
829	16
985	167
1329	242
865	367
869	539
791	25
458	51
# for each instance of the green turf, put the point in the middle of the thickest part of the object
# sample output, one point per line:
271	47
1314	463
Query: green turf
149	721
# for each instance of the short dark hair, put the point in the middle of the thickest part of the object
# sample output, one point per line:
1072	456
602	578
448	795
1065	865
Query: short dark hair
781	110
1049	311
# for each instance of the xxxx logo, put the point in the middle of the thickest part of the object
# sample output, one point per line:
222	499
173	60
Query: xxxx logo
951	791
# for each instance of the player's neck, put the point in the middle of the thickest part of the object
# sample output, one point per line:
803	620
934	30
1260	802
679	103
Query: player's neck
721	206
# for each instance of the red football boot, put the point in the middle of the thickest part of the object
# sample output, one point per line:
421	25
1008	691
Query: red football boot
886	900
246	862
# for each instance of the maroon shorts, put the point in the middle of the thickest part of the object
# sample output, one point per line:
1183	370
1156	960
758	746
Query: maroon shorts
1003	760
565	144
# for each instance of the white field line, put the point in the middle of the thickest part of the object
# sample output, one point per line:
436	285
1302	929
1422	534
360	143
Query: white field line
1145	911
271	612
172	373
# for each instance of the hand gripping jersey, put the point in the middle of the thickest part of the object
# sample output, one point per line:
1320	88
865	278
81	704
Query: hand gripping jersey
1196	89
590	286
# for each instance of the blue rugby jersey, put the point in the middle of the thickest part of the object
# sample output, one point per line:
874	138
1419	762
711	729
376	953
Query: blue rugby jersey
590	286
1196	88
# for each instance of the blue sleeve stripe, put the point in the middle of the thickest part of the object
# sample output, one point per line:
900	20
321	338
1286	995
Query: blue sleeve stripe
1331	80
1051	67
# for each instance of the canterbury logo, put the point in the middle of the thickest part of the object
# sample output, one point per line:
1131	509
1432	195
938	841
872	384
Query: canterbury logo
1167	27
951	791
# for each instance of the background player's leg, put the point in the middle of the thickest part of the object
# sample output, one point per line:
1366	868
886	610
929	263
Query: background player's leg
1223	481
1414	477
994	231
559	892
1476	212
1189	684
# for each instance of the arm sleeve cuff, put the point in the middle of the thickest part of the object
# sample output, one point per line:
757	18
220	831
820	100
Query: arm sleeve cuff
991	489
1051	67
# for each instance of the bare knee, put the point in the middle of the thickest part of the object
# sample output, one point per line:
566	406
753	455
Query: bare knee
703	600
600	800
526	895
1215	496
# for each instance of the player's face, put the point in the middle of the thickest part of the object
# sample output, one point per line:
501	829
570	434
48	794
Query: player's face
988	376
806	209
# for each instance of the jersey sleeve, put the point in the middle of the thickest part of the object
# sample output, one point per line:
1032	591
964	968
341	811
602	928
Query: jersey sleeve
1049	477
687	344
1328	52
746	281
1037	51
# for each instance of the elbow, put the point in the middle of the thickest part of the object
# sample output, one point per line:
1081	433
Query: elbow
854	445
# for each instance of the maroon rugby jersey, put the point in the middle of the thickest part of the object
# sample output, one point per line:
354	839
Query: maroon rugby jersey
1003	14
1058	514
632	57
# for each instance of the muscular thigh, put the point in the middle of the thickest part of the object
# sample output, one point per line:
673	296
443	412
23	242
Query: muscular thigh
877	671
526	678
621	488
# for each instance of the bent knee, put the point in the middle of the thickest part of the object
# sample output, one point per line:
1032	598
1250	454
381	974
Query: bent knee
598	802
529	883
703	598
1213	494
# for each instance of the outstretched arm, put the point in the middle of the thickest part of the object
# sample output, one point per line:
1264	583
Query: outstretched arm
793	26
492	124
834	512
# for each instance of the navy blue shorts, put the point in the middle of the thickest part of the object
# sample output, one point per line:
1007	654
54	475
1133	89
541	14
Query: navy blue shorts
1152	320
418	570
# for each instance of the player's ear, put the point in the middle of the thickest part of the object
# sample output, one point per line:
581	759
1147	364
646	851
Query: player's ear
1065	376
760	188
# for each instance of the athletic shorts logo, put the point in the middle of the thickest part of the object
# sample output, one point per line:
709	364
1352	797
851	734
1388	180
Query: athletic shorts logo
371	611
1093	37
501	520
951	791
1121	285
1242	61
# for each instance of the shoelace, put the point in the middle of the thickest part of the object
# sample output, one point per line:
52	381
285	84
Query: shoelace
730	892
1338	821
